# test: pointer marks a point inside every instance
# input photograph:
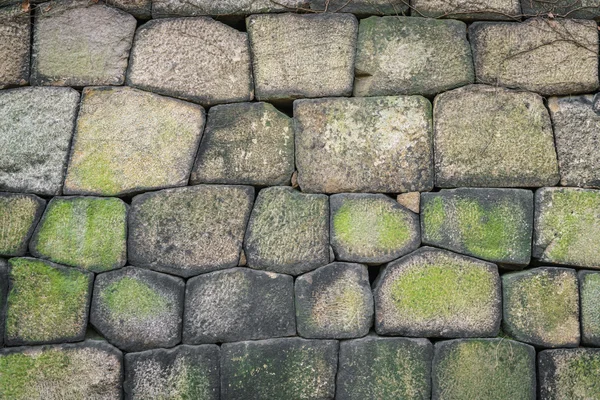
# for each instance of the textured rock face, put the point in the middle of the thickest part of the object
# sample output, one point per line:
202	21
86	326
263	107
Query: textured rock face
15	30
361	7
410	200
494	369
569	374
488	136
379	144
195	59
80	43
3	294
492	224
436	293
188	231
238	304
406	55
297	56
138	8
589	292
36	125
541	306
468	10
19	214
585	9
176	8
247	143
518	55
87	370
291	368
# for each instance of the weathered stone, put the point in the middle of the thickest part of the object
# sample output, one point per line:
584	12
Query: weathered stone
361	7
19	214
80	43
36	125
492	224
85	232
189	231
179	8
566	374
197	59
468	10
296	56
246	143
491	369
291	368
184	372
489	136
519	55
436	293
288	231
238	304
129	141
410	200
136	309
589	292
407	55
371	228
567	226
141	9
87	370
15	28
377	144
334	302
47	303
541	306
3	294
584	9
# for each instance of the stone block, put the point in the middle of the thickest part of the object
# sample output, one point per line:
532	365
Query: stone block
566	374
410	200
15	34
3	294
19	215
361	7
589	292
141	9
227	8
583	9
468	10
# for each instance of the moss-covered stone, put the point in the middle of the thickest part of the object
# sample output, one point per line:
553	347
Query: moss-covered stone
468	10
47	303
3	294
568	374
491	369
589	292
436	293
85	232
15	32
541	306
19	215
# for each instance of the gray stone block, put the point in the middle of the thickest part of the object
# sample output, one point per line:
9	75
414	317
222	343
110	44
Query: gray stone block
19	215
361	7
468	10
584	9
180	8
141	9
15	32
566	374
589	293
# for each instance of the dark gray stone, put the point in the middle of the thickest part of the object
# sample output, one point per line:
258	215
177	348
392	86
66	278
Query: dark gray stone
566	374
361	7
180	8
582	9
19	215
15	32
589	292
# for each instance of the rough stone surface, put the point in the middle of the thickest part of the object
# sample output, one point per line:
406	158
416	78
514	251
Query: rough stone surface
334	302
80	43
180	8
141	9
84	232
361	7
47	303
541	306
566	374
184	372
290	368
468	10
377	144
188	231
19	214
238	304
297	56
410	200
129	141
371	228
15	28
493	369
197	59
36	125
489	136
407	55
87	370
3	294
583	9
589	292
520	55
246	143
136	309
492	224
436	293
288	231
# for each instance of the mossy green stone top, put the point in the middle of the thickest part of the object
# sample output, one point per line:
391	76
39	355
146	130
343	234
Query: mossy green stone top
19	214
589	290
569	374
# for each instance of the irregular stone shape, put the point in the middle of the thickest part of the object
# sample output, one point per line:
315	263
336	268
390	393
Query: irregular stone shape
296	56
3	294
468	10
184	372
377	144
361	7
246	143
47	303
189	231
136	309
589	292
567	225
436	293
179	8
410	200
492	224
541	306
490	136
581	9
288	231
15	32
494	369
80	43
141	9
291	368
566	374
195	59
518	55
238	304
19	214
84	232
87	370
334	302
407	55
36	125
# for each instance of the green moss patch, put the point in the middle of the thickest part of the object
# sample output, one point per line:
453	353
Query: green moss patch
131	298
569	374
590	307
18	216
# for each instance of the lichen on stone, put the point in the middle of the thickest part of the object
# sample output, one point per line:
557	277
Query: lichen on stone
130	298
18	216
569	374
589	291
